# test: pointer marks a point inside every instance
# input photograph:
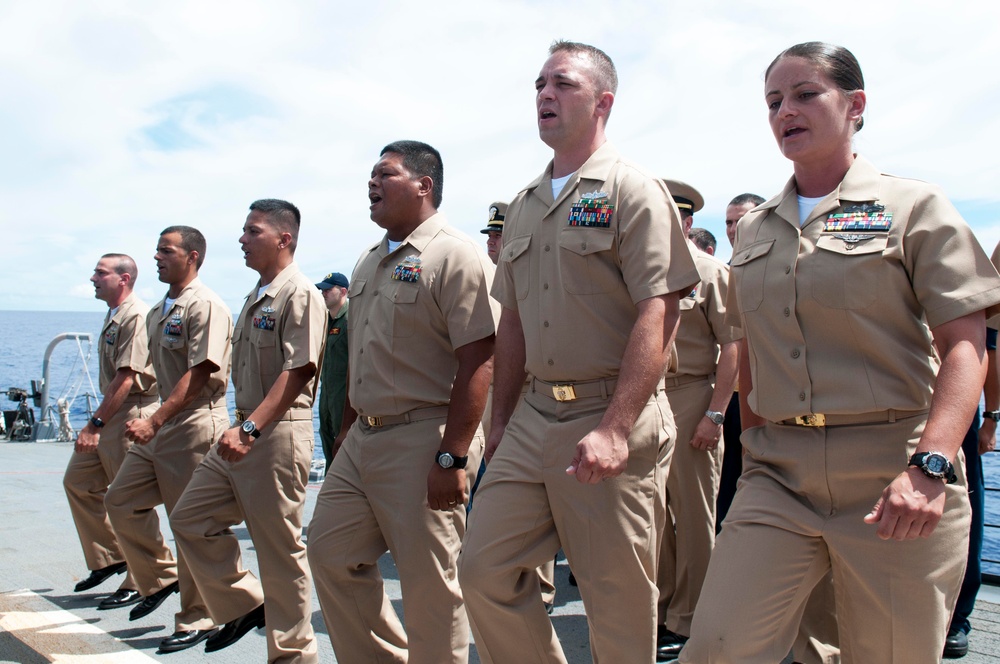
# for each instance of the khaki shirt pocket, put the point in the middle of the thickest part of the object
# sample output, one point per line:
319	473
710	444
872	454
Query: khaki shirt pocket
845	275
585	267
404	307
748	269
515	253
263	343
172	342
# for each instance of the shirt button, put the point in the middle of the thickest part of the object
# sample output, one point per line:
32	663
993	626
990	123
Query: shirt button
802	396
787	312
583	245
546	247
795	353
362	351
551	363
545	324
376	292
788	269
545	286
359	381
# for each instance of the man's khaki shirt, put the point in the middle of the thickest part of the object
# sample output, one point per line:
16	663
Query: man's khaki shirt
282	330
575	282
124	345
197	328
410	311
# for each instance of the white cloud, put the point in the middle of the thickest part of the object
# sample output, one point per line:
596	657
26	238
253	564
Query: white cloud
294	100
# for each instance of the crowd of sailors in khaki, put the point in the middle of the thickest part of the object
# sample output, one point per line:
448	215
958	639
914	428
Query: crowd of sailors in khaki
741	462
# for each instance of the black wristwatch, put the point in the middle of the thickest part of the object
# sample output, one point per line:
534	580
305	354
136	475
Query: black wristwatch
97	422
250	429
447	460
936	465
992	415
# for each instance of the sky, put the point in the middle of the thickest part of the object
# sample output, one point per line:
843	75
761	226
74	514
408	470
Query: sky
121	118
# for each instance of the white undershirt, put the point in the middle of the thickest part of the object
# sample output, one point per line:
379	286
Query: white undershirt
167	303
393	246
558	184
111	314
806	206
262	290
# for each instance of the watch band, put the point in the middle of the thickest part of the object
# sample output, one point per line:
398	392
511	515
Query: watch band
448	460
97	422
992	415
717	417
944	470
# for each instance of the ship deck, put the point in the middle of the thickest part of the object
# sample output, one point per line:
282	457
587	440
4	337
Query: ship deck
43	620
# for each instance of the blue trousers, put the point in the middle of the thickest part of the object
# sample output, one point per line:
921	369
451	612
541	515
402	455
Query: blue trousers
973	572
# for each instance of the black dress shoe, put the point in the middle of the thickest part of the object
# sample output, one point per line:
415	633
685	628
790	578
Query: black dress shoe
184	640
149	604
234	630
668	644
956	644
99	576
119	599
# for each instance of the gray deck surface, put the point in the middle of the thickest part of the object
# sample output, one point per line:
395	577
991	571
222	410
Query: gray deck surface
42	619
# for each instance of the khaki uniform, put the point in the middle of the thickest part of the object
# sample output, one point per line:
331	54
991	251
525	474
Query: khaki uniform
197	328
410	310
122	346
574	277
837	318
694	483
281	330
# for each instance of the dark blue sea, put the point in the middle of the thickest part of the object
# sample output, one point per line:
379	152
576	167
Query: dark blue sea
25	335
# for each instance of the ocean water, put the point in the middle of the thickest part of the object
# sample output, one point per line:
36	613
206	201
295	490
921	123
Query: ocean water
25	335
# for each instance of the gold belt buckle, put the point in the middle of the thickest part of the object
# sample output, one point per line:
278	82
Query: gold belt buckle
240	415
563	393
814	420
373	421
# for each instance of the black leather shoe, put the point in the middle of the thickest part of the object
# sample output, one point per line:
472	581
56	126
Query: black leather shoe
99	576
184	640
234	630
572	580
956	644
149	604
668	644
119	599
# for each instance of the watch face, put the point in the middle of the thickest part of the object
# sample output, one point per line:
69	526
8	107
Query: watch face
248	427
936	463
446	460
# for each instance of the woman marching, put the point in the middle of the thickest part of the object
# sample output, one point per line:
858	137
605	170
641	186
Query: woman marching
862	298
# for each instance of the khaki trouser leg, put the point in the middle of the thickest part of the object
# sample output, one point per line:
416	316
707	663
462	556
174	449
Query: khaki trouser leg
818	641
691	491
373	500
800	514
528	506
201	522
86	482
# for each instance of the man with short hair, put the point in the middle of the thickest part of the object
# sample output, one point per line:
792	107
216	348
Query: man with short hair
593	264
699	392
736	210
494	230
190	332
129	388
703	239
420	363
258	471
333	376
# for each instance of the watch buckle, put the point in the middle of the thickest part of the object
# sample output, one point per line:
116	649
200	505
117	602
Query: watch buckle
813	420
563	393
